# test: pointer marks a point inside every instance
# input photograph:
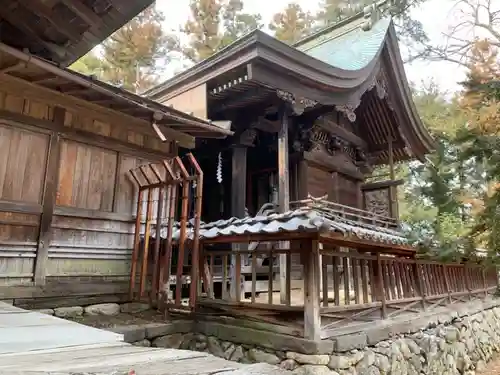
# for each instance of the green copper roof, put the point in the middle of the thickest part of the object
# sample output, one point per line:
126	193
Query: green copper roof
348	47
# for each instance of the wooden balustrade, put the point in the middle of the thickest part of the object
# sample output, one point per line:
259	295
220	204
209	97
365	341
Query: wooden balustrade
352	287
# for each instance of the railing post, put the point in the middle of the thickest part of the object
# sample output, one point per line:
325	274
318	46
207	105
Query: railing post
483	273
312	318
381	286
467	283
447	281
420	284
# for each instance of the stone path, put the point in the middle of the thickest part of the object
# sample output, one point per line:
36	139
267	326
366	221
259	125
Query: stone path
34	343
22	330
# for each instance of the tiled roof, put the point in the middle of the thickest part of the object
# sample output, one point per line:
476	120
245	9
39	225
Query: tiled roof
304	219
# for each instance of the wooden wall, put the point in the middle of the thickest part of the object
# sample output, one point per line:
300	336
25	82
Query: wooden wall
66	204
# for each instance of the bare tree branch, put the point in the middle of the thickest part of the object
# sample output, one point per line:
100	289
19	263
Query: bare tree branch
475	19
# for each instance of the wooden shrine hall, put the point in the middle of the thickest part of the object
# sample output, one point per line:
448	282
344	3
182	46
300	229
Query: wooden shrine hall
289	231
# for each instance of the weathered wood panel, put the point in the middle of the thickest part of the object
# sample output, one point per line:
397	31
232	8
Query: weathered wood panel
126	189
86	177
23	155
92	230
85	246
18	242
319	182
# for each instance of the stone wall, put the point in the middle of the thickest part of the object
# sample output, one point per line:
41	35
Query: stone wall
459	339
457	342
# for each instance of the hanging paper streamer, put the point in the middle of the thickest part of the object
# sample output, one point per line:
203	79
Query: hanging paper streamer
219	169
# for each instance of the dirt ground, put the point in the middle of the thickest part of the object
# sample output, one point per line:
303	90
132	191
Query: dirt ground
102	321
493	368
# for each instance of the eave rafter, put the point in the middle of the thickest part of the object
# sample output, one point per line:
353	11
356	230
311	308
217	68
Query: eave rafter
84	12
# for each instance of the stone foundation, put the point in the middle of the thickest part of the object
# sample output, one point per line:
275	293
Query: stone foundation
457	343
460	339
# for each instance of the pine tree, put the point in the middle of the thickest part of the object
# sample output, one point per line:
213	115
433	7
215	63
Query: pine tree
481	140
89	64
131	56
132	53
436	204
213	25
332	11
292	24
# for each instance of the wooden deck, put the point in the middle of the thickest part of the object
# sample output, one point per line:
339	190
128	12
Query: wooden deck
35	343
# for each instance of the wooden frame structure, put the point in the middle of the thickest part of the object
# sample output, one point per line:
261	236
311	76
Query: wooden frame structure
66	203
373	284
159	185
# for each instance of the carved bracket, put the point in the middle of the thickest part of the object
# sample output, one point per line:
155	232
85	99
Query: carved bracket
247	138
379	83
298	104
316	139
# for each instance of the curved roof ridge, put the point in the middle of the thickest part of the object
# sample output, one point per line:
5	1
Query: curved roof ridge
329	28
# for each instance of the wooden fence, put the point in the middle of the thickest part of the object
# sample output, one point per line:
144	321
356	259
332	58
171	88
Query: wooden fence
353	287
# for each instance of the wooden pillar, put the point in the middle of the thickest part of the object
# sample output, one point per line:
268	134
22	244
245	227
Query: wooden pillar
283	195
392	189
48	200
310	260
238	201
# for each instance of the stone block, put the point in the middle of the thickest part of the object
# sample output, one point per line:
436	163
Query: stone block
314	370
131	333
145	343
45	311
256	355
170	341
349	342
107	309
377	334
68	312
309	359
154	330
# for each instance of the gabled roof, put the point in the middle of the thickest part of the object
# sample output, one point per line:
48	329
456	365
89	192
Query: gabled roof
63	30
334	67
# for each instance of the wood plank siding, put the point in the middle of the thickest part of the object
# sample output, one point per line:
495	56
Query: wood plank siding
66	204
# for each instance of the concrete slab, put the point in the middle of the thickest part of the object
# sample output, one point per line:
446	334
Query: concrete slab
34	343
24	331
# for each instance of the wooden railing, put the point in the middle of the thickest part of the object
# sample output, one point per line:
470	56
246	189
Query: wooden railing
353	287
359	287
332	210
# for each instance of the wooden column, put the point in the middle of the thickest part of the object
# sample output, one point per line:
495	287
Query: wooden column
310	260
238	202
392	189
283	196
48	200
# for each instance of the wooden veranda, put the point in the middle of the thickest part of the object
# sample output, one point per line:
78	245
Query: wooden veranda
352	268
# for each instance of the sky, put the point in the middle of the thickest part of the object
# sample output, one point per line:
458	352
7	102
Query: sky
436	16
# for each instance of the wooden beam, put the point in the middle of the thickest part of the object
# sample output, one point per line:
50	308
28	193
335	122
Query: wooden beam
60	25
283	193
238	203
84	12
312	320
83	136
102	113
21	25
48	200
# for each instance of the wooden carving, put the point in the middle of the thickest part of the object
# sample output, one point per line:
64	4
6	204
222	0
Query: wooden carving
378	202
298	104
